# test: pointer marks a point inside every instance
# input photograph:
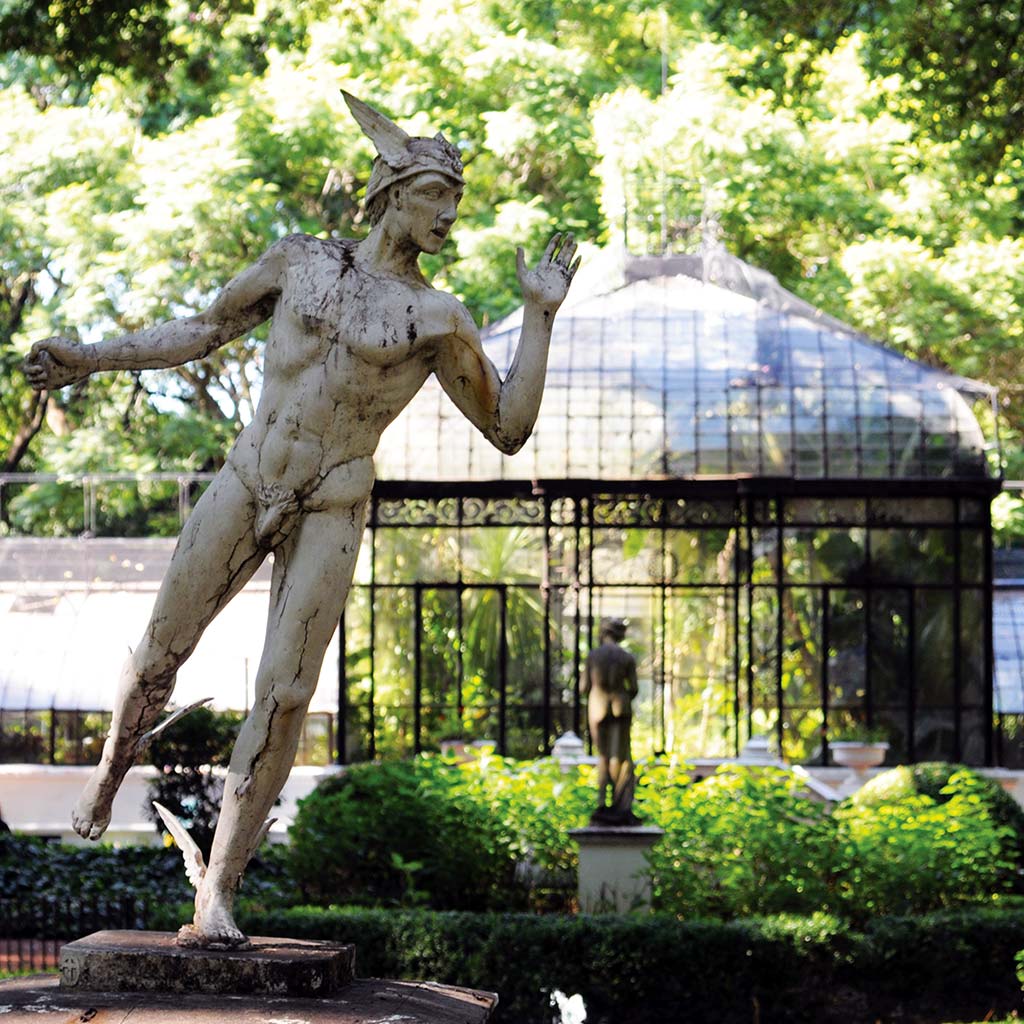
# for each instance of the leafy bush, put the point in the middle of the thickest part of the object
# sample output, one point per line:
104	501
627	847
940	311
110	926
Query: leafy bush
905	851
401	833
59	875
537	803
744	841
644	969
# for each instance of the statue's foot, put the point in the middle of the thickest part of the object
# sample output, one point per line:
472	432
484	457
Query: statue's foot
213	926
91	814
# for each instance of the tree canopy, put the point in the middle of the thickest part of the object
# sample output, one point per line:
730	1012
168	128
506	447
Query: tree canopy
866	154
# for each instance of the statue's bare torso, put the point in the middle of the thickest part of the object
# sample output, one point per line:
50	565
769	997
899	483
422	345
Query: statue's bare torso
346	353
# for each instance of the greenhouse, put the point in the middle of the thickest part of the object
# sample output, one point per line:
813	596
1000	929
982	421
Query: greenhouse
794	520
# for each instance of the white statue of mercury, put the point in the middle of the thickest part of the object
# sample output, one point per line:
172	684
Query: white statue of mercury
356	330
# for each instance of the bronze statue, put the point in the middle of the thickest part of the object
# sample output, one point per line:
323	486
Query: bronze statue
609	682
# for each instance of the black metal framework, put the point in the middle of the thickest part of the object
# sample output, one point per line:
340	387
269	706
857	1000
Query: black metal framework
757	605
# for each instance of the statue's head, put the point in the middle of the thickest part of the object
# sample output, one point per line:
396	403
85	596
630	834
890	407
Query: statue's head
400	155
613	628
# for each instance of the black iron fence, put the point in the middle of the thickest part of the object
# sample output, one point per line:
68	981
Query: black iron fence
32	931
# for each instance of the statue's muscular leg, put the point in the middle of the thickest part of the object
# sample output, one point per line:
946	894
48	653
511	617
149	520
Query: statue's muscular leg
312	573
621	765
598	734
214	558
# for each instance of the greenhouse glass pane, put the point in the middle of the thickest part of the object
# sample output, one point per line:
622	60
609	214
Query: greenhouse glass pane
416	554
394	642
801	734
912	555
481	656
893	721
935	735
802	647
439	656
972	556
823	555
357	732
933	654
357	645
764	657
502	554
395	732
627	555
524	618
972	661
847	648
890	648
525	732
700	556
764	555
699	671
972	736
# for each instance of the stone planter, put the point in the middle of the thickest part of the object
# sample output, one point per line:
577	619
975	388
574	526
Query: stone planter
860	756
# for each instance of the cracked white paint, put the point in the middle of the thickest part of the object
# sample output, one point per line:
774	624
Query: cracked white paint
356	329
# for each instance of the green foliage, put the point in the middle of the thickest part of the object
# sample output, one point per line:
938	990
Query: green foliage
917	855
538	805
641	970
942	782
185	755
959	62
744	841
400	833
64	879
34	868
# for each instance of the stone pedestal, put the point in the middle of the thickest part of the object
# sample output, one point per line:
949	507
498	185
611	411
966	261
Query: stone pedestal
614	875
129	961
144	976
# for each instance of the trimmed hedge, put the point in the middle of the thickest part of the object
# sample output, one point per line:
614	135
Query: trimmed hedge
652	969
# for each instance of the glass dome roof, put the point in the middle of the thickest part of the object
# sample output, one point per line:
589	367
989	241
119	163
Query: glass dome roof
689	366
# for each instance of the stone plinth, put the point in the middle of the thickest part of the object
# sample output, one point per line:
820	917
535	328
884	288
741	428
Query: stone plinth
614	875
130	961
39	1000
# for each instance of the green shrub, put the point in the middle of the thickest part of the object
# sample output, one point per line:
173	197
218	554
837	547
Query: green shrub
66	878
401	833
931	779
537	803
744	841
655	968
901	851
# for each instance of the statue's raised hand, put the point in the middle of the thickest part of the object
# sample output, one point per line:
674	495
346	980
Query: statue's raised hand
546	285
55	362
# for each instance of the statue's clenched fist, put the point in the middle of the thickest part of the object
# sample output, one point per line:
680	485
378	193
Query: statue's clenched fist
54	363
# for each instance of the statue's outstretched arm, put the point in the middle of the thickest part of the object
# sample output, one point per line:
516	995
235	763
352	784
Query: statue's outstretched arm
505	411
243	303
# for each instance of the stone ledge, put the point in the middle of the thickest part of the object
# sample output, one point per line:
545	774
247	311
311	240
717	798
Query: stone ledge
38	1000
617	835
130	961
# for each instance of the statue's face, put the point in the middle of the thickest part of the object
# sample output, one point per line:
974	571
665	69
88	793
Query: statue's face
423	208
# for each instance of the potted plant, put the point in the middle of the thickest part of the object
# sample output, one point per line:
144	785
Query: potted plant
859	746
